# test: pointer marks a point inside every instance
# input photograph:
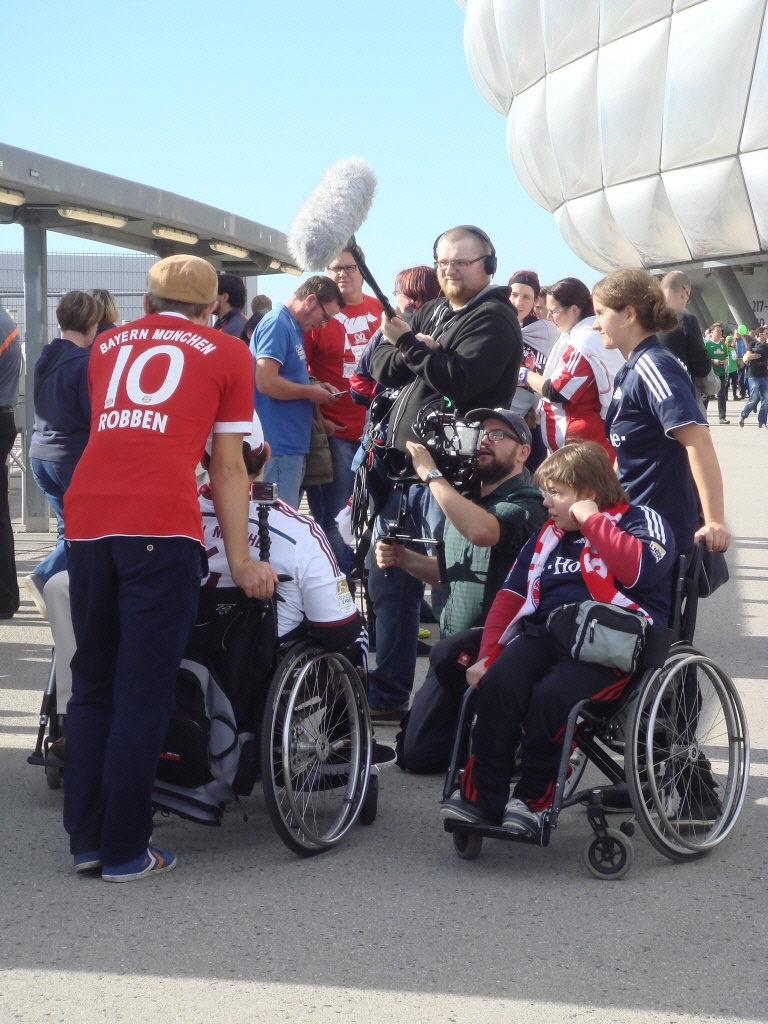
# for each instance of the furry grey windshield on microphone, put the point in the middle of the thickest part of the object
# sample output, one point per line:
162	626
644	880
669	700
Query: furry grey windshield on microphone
331	214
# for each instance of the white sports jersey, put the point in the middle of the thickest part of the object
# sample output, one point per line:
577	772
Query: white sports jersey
299	549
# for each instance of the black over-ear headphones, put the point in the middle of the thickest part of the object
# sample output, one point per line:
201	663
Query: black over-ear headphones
490	263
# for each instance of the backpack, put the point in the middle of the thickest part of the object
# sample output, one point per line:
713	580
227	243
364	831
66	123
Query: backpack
210	753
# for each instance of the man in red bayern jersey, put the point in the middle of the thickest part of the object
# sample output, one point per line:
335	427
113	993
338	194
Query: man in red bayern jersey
158	387
333	352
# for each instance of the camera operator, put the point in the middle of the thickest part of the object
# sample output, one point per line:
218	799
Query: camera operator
482	539
467	347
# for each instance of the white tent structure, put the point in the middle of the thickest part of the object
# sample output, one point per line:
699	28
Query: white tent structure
642	125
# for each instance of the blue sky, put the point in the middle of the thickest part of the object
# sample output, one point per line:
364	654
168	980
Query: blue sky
244	104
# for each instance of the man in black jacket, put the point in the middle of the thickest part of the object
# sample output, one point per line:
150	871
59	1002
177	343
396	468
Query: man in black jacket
466	347
686	341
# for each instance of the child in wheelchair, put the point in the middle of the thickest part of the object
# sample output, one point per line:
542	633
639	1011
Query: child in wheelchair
595	546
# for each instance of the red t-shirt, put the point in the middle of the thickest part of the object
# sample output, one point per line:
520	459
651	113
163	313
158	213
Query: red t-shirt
158	386
333	352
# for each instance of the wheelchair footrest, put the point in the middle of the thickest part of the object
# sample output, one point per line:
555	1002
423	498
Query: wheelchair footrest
497	832
45	762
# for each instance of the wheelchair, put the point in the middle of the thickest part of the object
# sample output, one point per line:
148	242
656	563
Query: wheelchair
248	706
676	741
314	756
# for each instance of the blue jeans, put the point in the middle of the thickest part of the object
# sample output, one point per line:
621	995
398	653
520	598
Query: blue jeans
327	500
53	478
134	602
397	603
287	471
758	392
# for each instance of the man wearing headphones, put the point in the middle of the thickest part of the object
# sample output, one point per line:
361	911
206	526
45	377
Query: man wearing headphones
467	347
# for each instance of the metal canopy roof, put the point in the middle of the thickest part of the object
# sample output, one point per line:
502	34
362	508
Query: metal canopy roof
46	185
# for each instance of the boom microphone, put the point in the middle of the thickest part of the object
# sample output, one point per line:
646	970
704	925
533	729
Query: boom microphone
329	217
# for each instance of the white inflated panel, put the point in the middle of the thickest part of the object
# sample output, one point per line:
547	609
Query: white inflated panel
521	39
592	218
706	85
755	169
619	17
520	161
533	143
642	211
755	133
570	30
576	242
631	105
481	46
712	208
572	117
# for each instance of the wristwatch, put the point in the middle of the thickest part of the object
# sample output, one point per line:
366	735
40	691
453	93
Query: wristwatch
433	474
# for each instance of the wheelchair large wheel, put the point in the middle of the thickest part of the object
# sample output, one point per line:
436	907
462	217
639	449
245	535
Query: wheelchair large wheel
688	753
315	749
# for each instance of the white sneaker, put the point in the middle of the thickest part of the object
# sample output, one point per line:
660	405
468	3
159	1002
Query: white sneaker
35	587
521	820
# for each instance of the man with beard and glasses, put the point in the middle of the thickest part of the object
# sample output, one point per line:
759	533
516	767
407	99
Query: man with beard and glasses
464	346
483	536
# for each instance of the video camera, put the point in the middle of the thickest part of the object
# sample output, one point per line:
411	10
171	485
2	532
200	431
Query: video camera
451	440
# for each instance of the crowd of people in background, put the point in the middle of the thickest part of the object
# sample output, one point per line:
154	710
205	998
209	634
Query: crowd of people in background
622	366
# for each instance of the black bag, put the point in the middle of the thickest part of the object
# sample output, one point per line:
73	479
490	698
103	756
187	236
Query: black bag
599	633
236	637
184	756
713	573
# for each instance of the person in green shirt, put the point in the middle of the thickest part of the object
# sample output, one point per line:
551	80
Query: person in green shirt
717	350
483	535
732	369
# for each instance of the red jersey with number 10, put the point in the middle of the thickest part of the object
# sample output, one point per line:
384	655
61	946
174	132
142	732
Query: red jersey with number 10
158	386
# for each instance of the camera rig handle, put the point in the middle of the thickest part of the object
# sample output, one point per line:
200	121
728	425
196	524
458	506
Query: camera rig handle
264	539
265	543
397	533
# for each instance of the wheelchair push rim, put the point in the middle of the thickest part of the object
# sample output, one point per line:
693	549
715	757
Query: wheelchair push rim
316	751
689	773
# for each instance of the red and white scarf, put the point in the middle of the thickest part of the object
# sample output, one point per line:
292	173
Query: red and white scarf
599	580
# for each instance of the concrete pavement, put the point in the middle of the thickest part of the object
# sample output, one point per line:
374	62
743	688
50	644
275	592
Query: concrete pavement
392	926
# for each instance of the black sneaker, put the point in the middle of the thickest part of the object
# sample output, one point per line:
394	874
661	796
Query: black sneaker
456	808
382	754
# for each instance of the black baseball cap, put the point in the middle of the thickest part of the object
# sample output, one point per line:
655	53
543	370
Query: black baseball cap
514	421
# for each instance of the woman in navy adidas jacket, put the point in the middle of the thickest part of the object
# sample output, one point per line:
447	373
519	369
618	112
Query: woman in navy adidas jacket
595	545
664	453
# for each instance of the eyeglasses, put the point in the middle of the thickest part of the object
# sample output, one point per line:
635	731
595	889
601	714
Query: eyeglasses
326	318
498	435
443	265
348	268
552	313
